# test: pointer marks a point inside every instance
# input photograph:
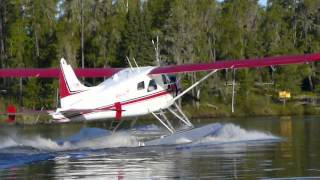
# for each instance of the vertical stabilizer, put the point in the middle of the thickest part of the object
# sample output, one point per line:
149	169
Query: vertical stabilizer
69	84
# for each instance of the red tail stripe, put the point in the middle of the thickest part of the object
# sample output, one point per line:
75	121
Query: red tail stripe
63	88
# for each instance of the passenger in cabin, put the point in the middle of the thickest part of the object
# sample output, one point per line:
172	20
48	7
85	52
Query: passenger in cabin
152	85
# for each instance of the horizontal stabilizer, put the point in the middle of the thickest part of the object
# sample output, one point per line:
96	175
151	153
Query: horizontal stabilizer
28	112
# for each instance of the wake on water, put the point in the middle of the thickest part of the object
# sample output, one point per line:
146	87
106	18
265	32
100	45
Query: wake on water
18	150
233	133
227	133
121	139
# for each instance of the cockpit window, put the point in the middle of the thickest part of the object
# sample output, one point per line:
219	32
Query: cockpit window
140	85
152	85
164	79
172	78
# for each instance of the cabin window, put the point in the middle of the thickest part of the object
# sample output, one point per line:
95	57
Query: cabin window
172	78
152	85
140	85
164	79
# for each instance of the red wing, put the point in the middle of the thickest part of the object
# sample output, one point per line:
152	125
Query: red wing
54	72
236	64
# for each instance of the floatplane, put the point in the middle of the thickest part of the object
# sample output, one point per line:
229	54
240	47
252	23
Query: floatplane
134	91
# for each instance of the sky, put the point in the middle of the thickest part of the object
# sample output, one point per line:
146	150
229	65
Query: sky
263	2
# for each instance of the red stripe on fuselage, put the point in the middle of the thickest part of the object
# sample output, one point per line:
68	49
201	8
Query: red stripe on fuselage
146	98
136	100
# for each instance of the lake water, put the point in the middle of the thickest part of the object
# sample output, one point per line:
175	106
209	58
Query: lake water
244	148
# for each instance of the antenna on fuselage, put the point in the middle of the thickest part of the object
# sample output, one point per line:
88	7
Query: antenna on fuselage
135	62
129	62
156	48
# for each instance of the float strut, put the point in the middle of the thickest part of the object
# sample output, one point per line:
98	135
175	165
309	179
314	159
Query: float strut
183	115
163	123
179	117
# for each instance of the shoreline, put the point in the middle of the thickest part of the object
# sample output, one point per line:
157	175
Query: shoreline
194	114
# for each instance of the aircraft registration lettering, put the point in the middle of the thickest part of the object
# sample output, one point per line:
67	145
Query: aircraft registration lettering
123	94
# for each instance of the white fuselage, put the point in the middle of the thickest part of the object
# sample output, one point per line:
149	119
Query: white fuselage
130	92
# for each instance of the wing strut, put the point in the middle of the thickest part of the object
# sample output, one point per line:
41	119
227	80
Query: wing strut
165	122
233	86
194	85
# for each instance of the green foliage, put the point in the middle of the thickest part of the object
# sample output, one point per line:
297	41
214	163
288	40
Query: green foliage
35	33
31	96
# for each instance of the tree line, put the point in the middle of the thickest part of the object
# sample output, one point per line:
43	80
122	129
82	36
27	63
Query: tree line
92	33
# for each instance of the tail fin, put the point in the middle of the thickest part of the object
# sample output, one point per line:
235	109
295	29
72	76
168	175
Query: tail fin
68	82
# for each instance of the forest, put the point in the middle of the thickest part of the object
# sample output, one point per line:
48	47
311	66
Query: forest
101	33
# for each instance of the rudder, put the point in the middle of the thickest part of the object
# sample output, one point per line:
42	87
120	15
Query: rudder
69	84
